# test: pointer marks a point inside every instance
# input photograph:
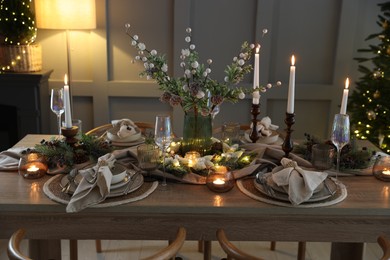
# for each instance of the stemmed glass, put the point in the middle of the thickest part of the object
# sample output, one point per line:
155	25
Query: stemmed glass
57	105
163	138
340	135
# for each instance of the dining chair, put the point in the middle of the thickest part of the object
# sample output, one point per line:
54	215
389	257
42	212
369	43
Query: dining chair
231	250
169	252
13	249
384	243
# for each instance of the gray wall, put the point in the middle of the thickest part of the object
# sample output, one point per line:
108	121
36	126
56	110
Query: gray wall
323	34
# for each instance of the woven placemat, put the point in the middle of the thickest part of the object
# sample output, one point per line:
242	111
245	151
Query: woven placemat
247	187
52	189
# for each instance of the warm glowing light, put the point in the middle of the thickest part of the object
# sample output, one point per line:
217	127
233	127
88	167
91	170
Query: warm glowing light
219	182
218	201
192	158
257	48
66	79
347	83
292	60
386	171
32	168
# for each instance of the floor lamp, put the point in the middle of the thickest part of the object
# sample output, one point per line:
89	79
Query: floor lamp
66	15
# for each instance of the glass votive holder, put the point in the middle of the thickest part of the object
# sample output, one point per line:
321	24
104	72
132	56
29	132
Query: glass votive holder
192	158
220	181
381	168
231	132
322	156
32	166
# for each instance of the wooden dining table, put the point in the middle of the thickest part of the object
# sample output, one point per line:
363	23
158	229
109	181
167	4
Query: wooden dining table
361	217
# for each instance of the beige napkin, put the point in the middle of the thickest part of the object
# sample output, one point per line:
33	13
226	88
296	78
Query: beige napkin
298	183
124	128
264	126
9	159
88	194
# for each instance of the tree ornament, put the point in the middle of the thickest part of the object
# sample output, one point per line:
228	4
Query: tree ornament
377	94
371	115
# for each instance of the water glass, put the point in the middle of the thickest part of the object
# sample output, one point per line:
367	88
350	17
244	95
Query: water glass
231	132
148	156
322	156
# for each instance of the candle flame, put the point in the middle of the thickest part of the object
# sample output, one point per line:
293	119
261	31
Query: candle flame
258	48
292	60
347	83
66	79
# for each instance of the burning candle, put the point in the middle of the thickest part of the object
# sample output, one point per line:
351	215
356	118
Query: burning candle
219	182
343	109
256	96
68	115
291	87
32	169
386	171
192	158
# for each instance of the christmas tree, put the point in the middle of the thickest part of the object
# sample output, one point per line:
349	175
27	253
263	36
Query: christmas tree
17	22
370	101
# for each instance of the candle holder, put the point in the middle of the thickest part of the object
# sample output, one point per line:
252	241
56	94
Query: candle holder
381	168
70	134
255	111
288	144
220	180
192	157
32	166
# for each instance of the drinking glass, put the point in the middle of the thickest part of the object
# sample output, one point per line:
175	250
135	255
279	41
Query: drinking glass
340	135
57	105
163	138
148	158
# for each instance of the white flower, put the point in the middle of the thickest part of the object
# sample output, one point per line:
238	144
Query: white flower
188	39
146	65
127	26
252	46
141	46
192	46
187	72
205	74
241	95
151	65
269	85
188	30
182	64
153	52
209	61
262	89
185	88
137	57
148	77
242	55
195	64
164	67
133	43
185	52
135	37
208	70
200	94
278	83
235	59
226	79
144	59
241	62
193	72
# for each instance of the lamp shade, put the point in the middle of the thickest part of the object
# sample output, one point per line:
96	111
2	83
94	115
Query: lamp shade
65	14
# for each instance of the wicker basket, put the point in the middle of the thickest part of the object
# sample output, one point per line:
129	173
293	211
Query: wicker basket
21	58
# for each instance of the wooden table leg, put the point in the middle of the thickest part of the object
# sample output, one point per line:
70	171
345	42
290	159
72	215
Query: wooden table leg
206	250
342	251
44	249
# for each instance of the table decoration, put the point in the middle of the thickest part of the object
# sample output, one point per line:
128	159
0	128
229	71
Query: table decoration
62	156
123	131
322	156
220	180
195	91
381	168
148	156
32	165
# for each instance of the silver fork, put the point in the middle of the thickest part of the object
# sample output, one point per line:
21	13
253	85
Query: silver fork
131	182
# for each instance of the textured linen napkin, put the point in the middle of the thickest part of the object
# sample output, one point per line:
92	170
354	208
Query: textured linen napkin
95	190
9	159
123	128
298	183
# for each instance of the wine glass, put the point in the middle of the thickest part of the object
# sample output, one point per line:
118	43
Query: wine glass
340	135
163	138
148	158
57	105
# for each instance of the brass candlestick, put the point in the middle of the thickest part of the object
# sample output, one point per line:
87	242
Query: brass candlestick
288	144
254	136
70	134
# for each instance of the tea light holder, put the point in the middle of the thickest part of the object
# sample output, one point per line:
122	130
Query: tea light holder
32	166
381	168
70	134
220	180
192	157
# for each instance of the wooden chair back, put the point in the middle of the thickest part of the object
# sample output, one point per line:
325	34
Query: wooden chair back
231	250
145	128
13	249
384	243
172	249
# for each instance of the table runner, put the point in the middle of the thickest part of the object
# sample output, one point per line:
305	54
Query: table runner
247	187
52	189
